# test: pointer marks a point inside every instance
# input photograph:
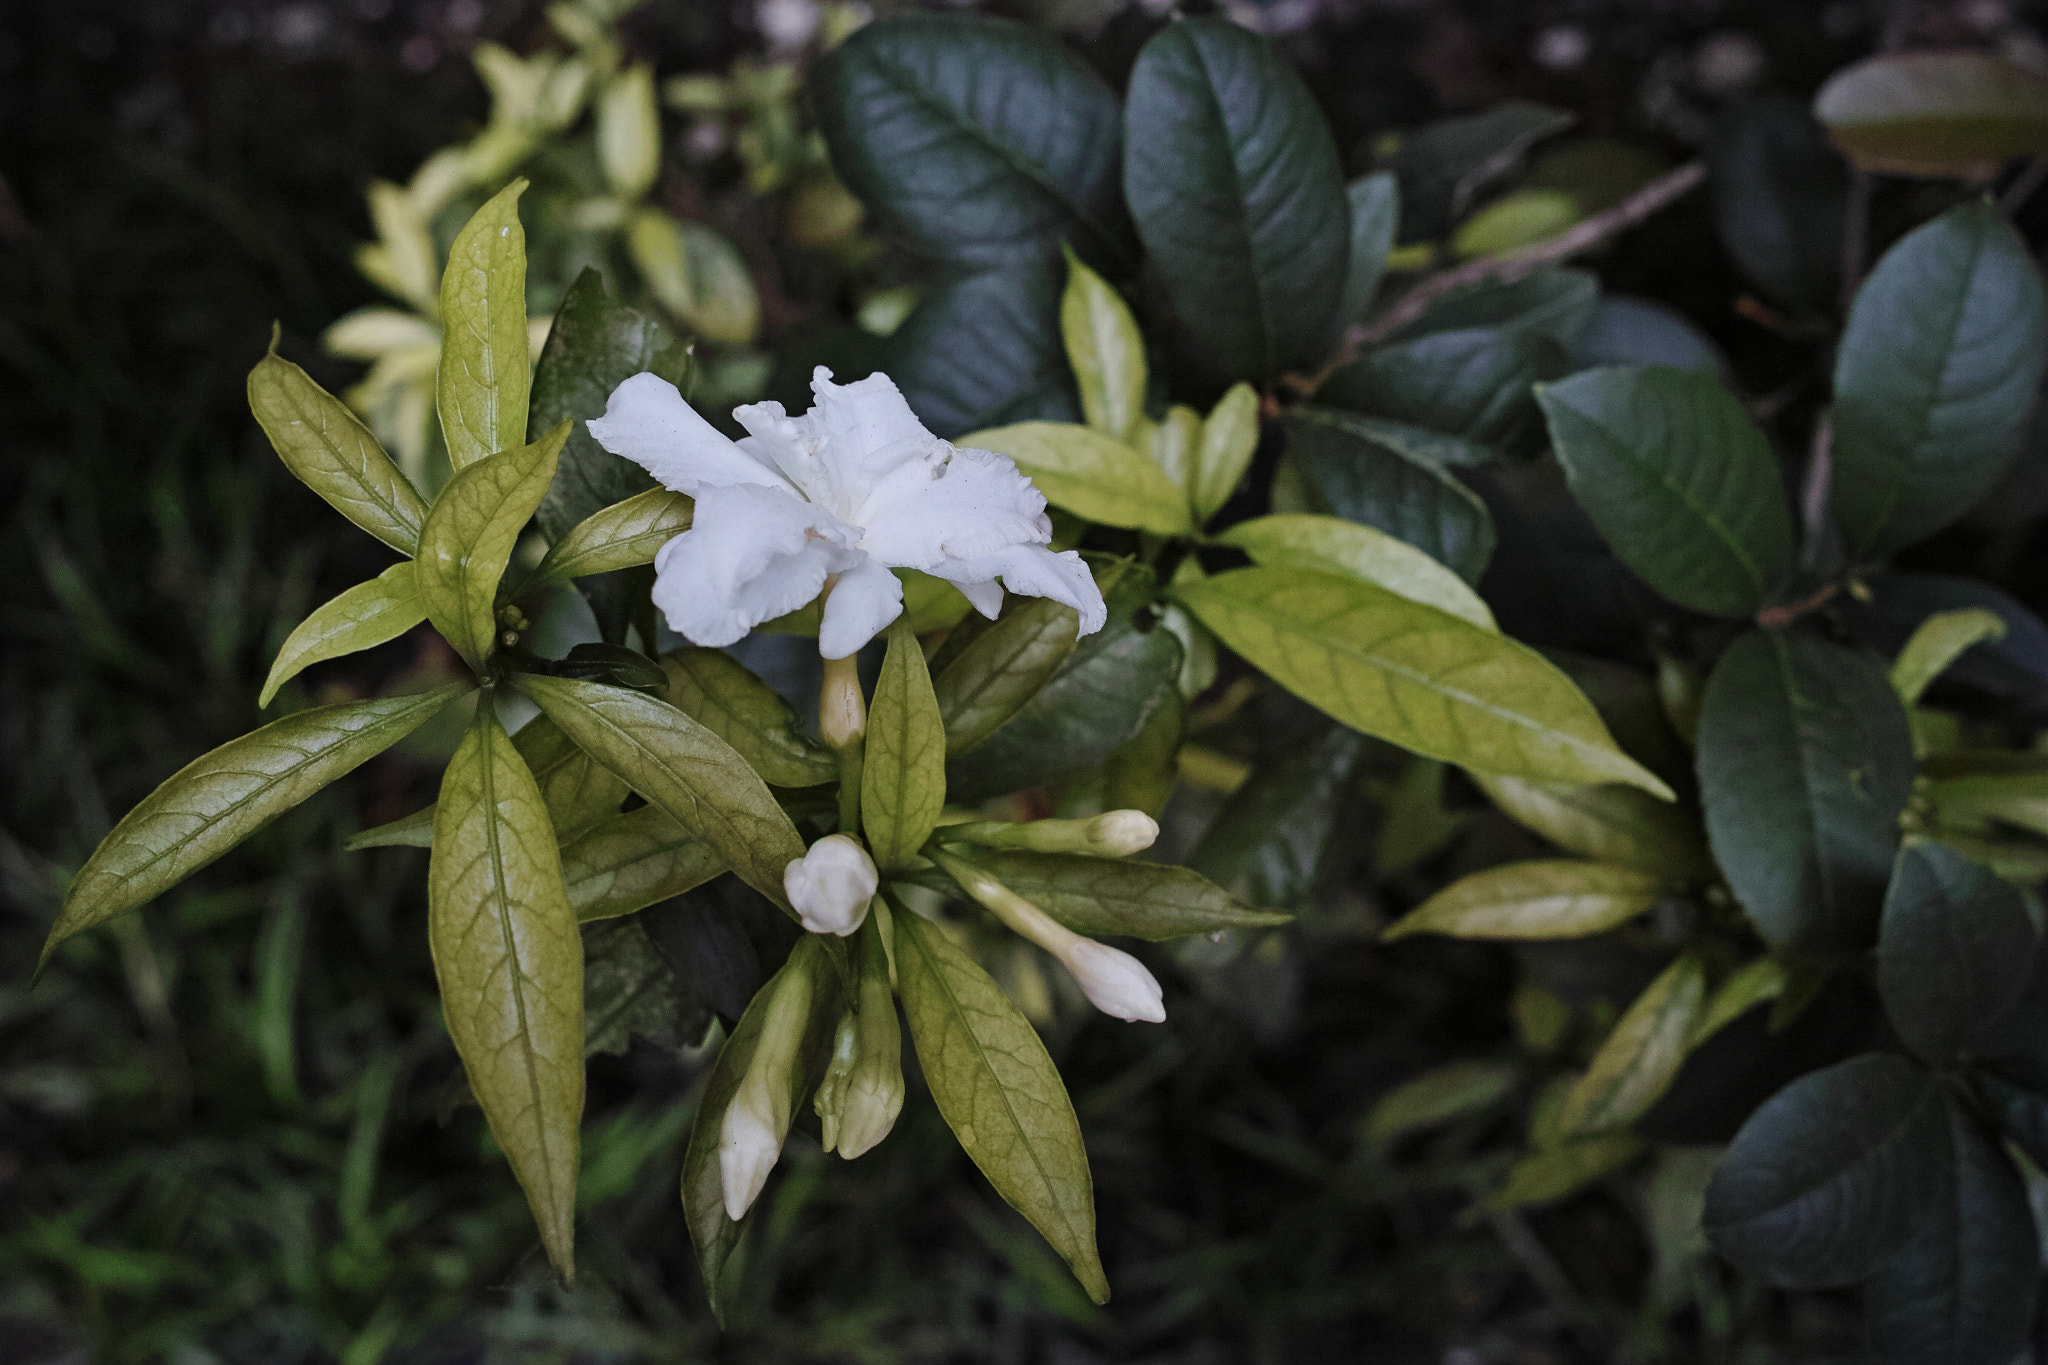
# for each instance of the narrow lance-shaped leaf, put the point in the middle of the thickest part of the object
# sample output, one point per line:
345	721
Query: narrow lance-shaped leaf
682	767
1002	668
366	615
1609	822
1224	450
1106	351
999	1092
485	378
903	774
221	798
717	691
1938	642
334	454
1088	473
1334	545
1561	899
630	861
619	537
469	537
1375	203
1641	1055
510	965
1116	896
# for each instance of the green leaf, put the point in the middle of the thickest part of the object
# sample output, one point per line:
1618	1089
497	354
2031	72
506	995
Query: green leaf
1936	374
903	773
629	988
697	275
1358	476
579	792
1439	1096
1956	951
981	140
1833	1174
1938	642
1612	823
1143	772
1473	383
1625	330
1268	842
1229	439
1002	668
1375	202
221	798
510	965
985	350
1233	178
1087	473
718	692
1781	200
1964	1288
1549	1175
485	377
2022	1113
368	614
1116	896
334	454
1418	677
999	1092
1518	218
1805	762
681	766
1106	351
1679	481
1747	987
1551	302
469	536
628	862
1334	545
1935	113
1446	165
619	537
1641	1055
629	133
1561	899
407	831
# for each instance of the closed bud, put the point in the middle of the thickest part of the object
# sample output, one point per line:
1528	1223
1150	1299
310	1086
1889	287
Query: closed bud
1113	834
874	1084
831	885
1120	833
830	1101
842	708
750	1132
1114	982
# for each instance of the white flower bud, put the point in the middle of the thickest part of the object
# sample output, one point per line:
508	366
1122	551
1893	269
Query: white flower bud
1120	833
749	1142
1115	982
831	885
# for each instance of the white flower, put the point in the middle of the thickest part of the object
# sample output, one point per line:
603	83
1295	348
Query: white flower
1120	833
831	885
1114	982
749	1142
851	489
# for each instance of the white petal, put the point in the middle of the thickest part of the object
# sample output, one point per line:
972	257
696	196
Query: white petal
1035	571
831	885
749	1143
752	554
985	597
646	421
1115	982
868	427
861	606
965	505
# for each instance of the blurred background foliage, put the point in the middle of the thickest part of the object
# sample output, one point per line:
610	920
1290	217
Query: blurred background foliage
227	1128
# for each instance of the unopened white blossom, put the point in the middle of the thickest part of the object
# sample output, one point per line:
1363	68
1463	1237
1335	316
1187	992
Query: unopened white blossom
850	490
1120	833
831	885
750	1141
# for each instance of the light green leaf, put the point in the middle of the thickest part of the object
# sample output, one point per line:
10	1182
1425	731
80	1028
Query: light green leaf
903	774
619	537
999	1092
1106	351
1747	987
682	767
1938	642
1449	1092
629	132
1350	470
630	861
1089	474
407	831
1546	1176
368	614
334	454
510	964
1174	443
221	798
1117	896
1935	113
1411	674
716	690
1608	822
1002	668
1230	435
1355	550
579	792
469	536
1641	1056
1520	218
1375	214
2016	798
697	275
1563	898
485	374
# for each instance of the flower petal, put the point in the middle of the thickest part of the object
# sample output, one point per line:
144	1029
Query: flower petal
863	602
1034	571
985	596
868	425
753	554
646	421
969	504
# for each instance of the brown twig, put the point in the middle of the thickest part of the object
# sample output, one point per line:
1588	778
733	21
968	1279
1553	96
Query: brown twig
1507	267
1777	618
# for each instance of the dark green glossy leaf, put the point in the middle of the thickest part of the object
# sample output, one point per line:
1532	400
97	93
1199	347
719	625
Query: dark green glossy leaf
485	377
1624	330
979	139
1956	950
1444	166
1111	896
1552	302
1679	481
1935	377
334	454
366	615
984	350
903	770
717	691
1474	383
1781	198
1269	840
1805	762
2022	1113
1233	178
629	988
1353	473
1375	202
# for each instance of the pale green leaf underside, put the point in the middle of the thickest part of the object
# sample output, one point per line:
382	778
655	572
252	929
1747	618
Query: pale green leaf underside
620	537
485	376
903	777
1087	473
1355	550
366	615
334	454
1562	898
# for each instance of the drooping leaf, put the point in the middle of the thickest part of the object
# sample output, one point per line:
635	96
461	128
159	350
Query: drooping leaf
630	861
510	965
1641	1055
1944	348
1375	203
679	765
221	798
366	615
629	989
1956	950
1335	545
1833	1175
1938	642
1473	383
1117	896
1233	178
1935	113
485	378
1612	823
1268	842
1084	471
1780	198
1561	899
1355	475
407	831
619	537
984	350
333	453
1805	762
1001	668
903	772
717	691
979	139
1106	351
2009	674
1411	674
469	537
999	1092
1679	481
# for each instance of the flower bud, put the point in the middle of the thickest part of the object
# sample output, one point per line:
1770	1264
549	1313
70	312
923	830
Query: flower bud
831	885
751	1130
842	708
874	1087
1114	982
1120	833
1113	834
